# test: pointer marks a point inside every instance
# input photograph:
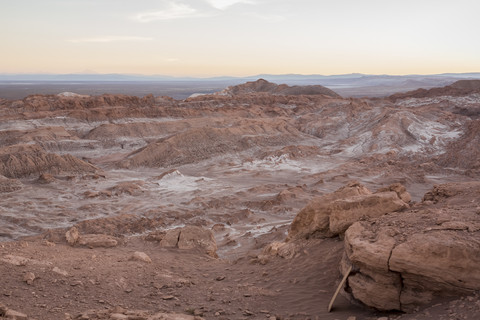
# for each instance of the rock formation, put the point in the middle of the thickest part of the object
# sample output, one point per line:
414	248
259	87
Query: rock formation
331	215
403	260
190	237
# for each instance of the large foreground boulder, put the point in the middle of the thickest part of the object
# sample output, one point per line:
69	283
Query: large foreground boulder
401	261
333	213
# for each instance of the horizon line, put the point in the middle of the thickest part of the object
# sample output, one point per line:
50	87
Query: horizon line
94	74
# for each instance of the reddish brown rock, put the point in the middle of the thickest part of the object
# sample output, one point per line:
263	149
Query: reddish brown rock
97	241
415	257
189	237
72	236
141	256
332	214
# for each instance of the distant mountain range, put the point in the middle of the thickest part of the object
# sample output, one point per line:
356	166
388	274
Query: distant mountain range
352	78
347	85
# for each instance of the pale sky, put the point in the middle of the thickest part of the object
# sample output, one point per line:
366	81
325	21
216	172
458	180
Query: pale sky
239	37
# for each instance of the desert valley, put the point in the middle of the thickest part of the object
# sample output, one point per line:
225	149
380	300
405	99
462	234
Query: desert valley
249	203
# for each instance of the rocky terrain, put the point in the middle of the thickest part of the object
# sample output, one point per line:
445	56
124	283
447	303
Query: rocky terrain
250	203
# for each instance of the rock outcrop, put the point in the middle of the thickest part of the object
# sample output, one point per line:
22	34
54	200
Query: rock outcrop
189	237
403	260
333	213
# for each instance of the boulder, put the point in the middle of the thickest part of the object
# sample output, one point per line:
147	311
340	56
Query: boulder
29	277
170	238
402	261
15	315
72	236
195	237
400	190
97	241
189	237
331	214
141	256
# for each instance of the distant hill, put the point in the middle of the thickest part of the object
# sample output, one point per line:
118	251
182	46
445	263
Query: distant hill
262	85
458	88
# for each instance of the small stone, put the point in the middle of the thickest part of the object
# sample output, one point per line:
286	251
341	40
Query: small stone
97	241
28	278
60	271
247	313
168	297
352	318
141	256
383	318
220	278
72	236
15	260
15	315
48	243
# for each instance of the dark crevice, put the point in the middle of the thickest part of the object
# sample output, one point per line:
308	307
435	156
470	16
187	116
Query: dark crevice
178	239
401	290
399	276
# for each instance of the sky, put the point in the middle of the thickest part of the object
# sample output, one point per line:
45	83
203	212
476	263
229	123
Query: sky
205	38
